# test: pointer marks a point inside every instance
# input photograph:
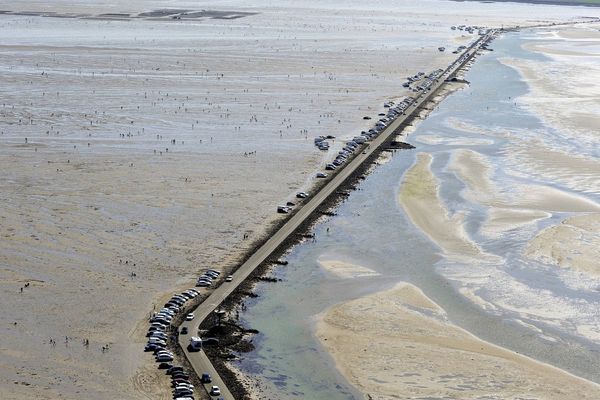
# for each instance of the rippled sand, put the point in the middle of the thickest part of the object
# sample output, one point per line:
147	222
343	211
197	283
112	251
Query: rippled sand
516	205
399	344
571	244
563	88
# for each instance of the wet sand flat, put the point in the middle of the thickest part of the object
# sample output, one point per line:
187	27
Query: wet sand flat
571	244
419	197
345	269
154	147
398	344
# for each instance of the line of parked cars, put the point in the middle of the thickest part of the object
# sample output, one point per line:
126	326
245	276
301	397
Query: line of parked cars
160	323
180	382
158	334
393	111
427	80
207	278
161	330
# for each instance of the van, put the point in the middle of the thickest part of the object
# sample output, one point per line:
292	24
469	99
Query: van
195	343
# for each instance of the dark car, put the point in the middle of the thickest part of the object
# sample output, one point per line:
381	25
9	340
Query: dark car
205	378
184	330
174	369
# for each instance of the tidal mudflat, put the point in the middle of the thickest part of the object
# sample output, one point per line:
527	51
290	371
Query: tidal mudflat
135	151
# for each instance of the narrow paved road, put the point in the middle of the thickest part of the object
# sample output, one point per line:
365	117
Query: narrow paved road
199	360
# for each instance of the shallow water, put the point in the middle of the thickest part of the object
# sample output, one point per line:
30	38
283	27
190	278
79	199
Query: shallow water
533	308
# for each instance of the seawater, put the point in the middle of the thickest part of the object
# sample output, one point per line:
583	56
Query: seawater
372	230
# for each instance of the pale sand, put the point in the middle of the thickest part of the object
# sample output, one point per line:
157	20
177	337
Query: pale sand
573	170
346	270
398	344
571	244
434	139
566	103
469	127
501	220
587	32
475	171
510	209
419	197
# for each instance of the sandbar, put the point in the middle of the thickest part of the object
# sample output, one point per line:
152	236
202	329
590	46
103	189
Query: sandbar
399	344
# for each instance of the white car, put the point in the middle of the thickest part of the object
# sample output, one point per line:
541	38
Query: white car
229	278
189	317
321	175
215	391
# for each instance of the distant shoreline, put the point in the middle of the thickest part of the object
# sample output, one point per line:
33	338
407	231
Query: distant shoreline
579	3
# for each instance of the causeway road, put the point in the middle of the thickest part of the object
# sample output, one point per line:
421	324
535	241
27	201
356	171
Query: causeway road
199	361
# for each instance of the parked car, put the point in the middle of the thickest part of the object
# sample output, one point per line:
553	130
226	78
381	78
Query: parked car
159	335
152	347
184	330
180	375
163	357
283	209
174	369
189	317
321	175
205	378
215	391
229	278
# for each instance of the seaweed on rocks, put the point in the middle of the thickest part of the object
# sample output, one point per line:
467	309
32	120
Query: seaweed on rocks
401	145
